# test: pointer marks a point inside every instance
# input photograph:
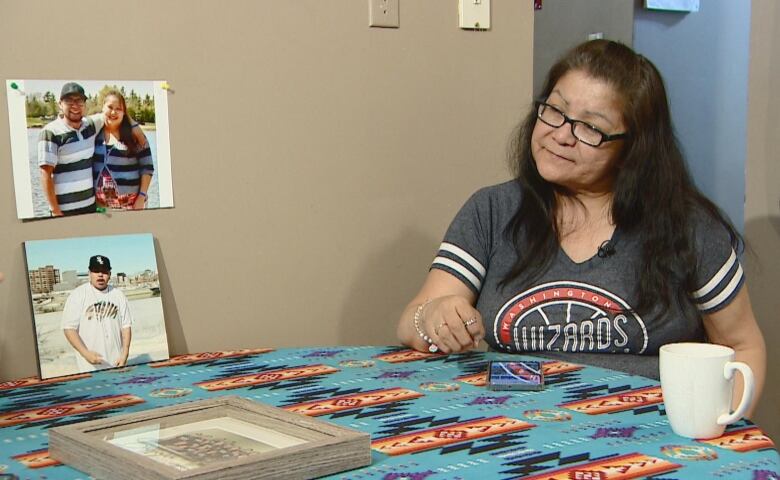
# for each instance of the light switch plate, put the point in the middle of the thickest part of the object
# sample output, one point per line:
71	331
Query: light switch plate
383	13
474	14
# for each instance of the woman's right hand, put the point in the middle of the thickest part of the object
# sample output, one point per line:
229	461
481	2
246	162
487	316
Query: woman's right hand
453	324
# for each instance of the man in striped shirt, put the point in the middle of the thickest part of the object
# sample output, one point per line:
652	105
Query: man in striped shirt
65	149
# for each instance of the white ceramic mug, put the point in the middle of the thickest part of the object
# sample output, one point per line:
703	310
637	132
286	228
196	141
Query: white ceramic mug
696	380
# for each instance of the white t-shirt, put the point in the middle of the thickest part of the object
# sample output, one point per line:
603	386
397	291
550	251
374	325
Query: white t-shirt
99	317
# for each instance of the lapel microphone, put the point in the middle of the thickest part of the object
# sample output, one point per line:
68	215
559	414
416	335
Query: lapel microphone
606	249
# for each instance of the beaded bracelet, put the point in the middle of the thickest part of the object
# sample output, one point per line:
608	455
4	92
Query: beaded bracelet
432	347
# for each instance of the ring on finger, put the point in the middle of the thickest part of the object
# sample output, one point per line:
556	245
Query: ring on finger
470	321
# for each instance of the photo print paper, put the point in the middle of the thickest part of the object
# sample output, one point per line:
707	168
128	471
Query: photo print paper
96	303
89	146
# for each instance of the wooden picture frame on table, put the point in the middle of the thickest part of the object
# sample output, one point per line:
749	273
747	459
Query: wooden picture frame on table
223	438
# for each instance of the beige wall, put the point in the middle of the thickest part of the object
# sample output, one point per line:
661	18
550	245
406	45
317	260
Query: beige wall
762	202
316	162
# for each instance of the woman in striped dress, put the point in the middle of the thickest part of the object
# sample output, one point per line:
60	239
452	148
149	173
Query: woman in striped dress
123	165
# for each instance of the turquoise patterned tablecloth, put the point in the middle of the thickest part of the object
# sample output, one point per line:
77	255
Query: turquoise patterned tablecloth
429	415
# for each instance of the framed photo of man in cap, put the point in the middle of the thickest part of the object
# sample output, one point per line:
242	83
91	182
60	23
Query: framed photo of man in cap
85	146
96	303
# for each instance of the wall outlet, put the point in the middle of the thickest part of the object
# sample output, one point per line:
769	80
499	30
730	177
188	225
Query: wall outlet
383	13
474	14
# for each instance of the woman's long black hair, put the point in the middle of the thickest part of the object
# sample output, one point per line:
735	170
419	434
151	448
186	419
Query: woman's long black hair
653	191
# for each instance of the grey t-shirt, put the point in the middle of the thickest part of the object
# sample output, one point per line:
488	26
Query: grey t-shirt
581	312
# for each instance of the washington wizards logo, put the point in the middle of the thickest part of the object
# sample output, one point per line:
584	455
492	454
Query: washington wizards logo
569	317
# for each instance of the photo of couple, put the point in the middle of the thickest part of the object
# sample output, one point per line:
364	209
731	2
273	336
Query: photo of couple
89	146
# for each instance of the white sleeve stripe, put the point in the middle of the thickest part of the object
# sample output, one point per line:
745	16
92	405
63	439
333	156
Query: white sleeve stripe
725	293
465	272
464	255
706	289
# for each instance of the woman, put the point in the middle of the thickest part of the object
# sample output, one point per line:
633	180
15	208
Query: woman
601	249
122	165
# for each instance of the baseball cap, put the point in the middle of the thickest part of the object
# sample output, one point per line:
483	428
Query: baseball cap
99	263
71	88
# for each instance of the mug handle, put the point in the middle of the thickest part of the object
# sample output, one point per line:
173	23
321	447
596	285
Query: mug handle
747	391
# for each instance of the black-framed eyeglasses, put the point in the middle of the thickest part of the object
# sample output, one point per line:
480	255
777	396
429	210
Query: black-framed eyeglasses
74	101
582	131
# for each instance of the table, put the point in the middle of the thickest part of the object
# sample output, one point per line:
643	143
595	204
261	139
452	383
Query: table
429	415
